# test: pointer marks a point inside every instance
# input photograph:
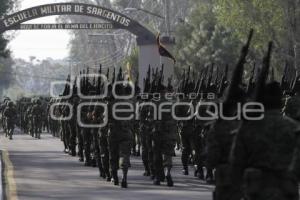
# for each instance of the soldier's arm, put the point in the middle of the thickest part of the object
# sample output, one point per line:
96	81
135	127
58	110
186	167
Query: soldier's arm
212	148
6	113
238	156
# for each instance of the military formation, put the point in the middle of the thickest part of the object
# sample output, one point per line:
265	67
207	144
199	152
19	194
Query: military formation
250	157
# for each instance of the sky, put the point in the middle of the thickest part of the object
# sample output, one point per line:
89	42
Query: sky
40	43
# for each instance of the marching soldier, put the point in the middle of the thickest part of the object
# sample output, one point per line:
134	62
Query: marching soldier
221	133
36	114
164	140
119	140
266	153
10	115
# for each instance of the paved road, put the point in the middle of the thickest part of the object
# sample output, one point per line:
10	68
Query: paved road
40	170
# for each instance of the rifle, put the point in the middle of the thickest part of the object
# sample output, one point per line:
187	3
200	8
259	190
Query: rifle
75	87
136	85
260	86
238	73
224	81
181	87
210	76
161	74
114	76
202	82
217	76
283	83
99	80
107	74
186	83
147	80
67	86
170	87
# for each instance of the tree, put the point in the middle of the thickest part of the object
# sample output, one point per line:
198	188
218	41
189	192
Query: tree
5	7
5	60
201	41
274	20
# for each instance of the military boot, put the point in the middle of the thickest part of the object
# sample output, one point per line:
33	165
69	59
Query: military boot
124	178
73	152
138	153
199	173
162	175
108	177
185	170
209	176
156	181
115	178
170	182
88	162
147	170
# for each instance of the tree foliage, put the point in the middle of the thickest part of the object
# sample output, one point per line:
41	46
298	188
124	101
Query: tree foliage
6	61
202	41
274	20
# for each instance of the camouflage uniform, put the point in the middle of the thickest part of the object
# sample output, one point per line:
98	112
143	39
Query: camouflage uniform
136	142
104	152
29	120
263	158
219	142
146	140
163	144
3	120
119	142
10	115
189	140
36	114
86	135
73	127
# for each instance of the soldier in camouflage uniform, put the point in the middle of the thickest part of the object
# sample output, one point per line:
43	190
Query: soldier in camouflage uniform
189	138
3	119
30	119
265	156
10	115
36	114
119	139
136	127
146	139
221	133
103	159
73	126
164	140
86	135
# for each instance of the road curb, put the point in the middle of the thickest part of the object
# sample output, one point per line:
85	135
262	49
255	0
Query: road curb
9	189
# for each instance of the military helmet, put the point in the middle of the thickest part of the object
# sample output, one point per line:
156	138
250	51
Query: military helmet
6	99
38	101
10	104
